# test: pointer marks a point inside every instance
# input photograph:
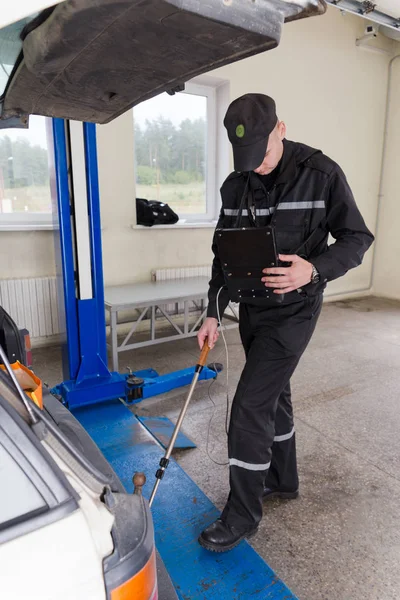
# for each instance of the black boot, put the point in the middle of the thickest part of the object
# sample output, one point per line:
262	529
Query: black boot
273	494
221	537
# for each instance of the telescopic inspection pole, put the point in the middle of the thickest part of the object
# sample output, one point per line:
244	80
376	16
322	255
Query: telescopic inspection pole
165	459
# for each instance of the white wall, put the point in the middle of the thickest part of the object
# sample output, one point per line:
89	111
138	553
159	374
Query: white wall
386	281
331	95
26	254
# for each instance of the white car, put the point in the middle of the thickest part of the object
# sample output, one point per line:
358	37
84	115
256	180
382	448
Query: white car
68	530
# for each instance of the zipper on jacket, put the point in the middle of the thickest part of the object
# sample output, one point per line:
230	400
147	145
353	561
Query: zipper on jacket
253	212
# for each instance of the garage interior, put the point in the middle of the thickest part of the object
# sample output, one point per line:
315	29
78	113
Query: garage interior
338	89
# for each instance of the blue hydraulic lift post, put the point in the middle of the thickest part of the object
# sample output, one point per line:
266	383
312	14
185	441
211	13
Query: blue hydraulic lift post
85	318
66	250
89	130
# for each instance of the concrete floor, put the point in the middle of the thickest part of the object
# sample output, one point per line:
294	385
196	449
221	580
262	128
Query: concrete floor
341	539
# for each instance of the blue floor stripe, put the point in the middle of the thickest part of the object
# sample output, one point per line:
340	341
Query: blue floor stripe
162	429
180	512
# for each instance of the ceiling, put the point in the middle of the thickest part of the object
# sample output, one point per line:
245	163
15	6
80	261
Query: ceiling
385	13
390	7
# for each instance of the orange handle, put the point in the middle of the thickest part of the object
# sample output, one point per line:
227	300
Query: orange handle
204	353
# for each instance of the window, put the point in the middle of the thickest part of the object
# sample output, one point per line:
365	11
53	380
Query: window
32	485
10	47
25	197
19	498
175	151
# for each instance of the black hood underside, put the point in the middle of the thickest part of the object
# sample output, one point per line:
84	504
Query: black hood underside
91	60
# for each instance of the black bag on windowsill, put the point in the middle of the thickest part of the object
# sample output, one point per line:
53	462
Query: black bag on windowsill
152	212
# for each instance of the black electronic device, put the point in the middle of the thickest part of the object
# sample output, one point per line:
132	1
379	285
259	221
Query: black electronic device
244	253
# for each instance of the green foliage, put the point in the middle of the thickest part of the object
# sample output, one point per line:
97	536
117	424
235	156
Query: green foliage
182	177
146	175
21	164
177	153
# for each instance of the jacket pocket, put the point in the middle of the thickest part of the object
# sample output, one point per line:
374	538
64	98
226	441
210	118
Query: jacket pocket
290	238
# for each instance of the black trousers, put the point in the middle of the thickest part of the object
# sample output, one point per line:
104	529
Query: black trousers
261	441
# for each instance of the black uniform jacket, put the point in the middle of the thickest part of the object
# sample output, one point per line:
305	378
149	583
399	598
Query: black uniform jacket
309	200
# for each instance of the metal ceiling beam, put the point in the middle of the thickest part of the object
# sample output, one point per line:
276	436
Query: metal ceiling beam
367	11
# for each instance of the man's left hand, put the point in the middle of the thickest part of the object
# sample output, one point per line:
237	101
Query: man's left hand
290	278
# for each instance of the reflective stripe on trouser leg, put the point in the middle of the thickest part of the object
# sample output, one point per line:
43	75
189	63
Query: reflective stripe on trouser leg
282	474
234	462
272	356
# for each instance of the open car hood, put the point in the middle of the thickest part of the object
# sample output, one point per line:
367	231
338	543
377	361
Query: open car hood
91	60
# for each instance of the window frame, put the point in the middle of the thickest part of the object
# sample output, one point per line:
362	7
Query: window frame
208	217
211	152
26	221
34	221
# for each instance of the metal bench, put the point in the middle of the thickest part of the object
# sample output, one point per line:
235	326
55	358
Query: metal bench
151	299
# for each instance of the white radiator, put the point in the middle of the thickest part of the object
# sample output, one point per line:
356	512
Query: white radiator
32	303
180	273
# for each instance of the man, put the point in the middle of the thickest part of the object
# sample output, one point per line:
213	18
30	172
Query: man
304	195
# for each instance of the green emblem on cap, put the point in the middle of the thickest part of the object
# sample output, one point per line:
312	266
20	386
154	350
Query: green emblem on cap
240	131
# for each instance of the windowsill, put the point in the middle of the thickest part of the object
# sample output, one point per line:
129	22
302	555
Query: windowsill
182	224
21	226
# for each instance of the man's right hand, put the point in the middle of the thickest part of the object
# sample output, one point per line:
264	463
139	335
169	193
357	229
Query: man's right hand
209	330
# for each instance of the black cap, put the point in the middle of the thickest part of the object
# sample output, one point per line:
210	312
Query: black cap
249	120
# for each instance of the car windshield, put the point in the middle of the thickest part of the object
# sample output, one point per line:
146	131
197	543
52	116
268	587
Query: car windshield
10	47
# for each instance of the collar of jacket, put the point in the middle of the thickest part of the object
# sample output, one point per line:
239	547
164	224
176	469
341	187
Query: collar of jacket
289	164
294	155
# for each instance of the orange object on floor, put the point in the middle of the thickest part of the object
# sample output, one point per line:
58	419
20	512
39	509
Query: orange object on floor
30	383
